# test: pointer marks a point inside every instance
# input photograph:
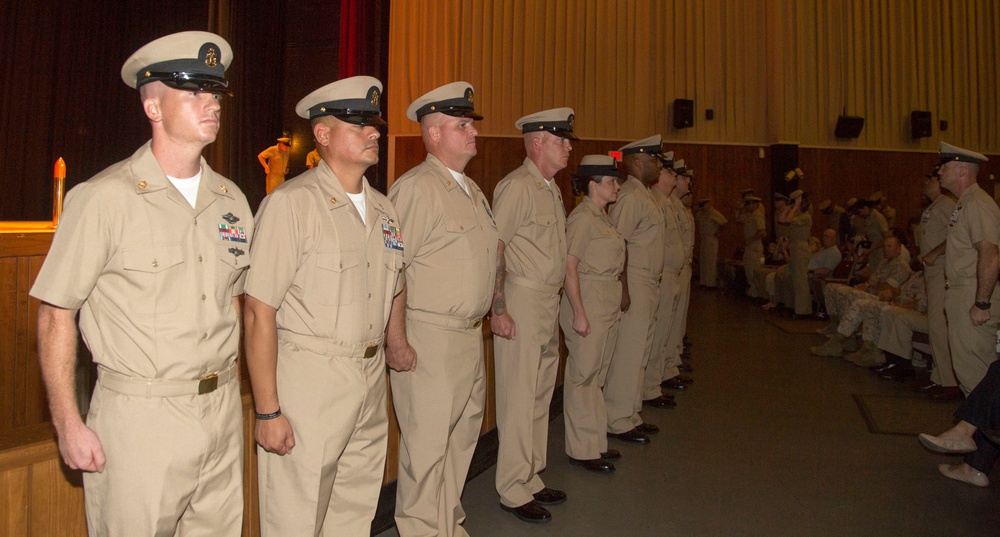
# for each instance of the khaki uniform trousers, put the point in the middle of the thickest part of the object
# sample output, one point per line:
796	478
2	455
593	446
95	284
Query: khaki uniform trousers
751	262
798	270
635	341
973	348
898	326
174	464
330	482
525	378
944	370
587	366
439	407
678	326
660	354
709	261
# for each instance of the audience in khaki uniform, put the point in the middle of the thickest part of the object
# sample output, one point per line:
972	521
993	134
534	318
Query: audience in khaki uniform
434	342
798	219
157	293
590	312
531	221
638	219
753	245
274	159
325	267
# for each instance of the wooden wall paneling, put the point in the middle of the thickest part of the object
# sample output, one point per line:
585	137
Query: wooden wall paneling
56	500
14	501
36	408
490	412
8	342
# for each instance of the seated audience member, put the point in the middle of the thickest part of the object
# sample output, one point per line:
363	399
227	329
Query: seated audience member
885	281
976	434
821	265
870	314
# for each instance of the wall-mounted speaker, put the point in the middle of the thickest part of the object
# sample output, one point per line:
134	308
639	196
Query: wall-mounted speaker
920	124
849	126
683	113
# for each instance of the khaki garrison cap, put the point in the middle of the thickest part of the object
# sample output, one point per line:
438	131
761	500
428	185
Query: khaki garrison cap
356	100
823	205
950	152
456	99
876	196
185	61
780	196
752	199
652	146
597	166
796	194
285	140
558	121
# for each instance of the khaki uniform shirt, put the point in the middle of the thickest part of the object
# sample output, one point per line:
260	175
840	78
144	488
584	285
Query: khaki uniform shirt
594	241
153	278
450	235
975	218
638	219
531	222
710	221
875	226
687	228
933	229
329	275
277	161
675	256
312	159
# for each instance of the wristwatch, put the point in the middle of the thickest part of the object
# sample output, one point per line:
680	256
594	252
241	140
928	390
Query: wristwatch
983	305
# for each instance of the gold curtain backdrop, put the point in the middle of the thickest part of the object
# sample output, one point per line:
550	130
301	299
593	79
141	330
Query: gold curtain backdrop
771	70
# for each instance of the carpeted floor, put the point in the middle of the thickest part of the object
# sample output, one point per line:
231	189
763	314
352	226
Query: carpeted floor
904	414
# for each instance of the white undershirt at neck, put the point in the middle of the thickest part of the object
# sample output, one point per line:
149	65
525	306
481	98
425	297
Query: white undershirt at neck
188	187
359	203
460	177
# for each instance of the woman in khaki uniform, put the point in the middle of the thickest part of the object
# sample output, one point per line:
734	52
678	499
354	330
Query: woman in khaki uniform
799	222
591	310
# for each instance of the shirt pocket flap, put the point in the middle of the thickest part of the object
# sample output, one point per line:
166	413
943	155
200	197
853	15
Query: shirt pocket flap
154	259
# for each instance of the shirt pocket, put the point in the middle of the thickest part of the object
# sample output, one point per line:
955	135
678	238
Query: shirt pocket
337	274
156	278
460	237
234	261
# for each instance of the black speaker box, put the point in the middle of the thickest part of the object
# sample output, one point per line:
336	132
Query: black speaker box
683	113
920	124
849	126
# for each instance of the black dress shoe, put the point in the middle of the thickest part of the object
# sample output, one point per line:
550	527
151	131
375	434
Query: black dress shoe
611	455
548	496
599	466
647	428
879	368
927	386
632	436
529	512
898	372
660	402
946	393
685	368
673	384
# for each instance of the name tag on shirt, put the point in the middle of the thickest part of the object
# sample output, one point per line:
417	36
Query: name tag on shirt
392	236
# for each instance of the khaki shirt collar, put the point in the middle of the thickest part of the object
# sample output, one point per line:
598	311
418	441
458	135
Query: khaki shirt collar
337	197
444	174
148	177
540	182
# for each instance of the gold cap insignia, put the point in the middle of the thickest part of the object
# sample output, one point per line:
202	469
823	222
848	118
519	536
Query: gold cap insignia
211	58
572	119
469	96
374	97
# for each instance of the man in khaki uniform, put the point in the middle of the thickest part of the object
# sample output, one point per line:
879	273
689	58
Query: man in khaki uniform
638	219
434	342
971	267
710	221
152	252
672	378
673	265
531	221
753	245
274	159
326	266
932	235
